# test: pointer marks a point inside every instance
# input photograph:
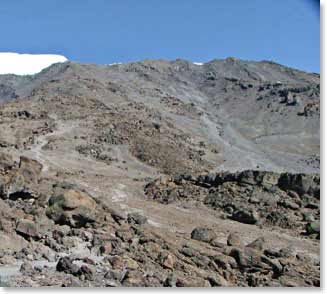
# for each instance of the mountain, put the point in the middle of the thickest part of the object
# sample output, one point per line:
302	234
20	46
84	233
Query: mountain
257	115
153	169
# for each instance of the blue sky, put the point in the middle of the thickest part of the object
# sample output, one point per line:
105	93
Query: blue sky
107	31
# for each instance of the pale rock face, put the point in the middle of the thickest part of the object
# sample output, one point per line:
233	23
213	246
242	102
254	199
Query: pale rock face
27	64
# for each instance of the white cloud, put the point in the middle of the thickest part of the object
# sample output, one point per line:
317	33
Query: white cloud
198	63
26	64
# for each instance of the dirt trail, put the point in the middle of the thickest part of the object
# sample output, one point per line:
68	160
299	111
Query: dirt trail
36	151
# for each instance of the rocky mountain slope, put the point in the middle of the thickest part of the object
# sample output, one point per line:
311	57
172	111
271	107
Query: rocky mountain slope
158	173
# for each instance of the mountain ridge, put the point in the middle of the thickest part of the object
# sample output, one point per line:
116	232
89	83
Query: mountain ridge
215	89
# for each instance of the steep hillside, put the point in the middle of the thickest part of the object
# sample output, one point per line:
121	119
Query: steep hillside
257	115
160	173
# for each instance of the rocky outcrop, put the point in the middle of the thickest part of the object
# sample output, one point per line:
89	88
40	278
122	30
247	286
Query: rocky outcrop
253	197
19	181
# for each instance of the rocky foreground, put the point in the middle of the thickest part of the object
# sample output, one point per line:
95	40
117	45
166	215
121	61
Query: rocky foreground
160	173
55	234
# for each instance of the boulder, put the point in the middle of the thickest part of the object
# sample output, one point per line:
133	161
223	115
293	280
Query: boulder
188	251
30	169
133	278
290	204
245	216
167	260
275	265
117	216
105	249
72	207
137	218
247	257
27	229
218	281
203	234
26	267
66	265
224	261
87	272
217	243
130	263
257	244
234	240
191	281
270	179
12	241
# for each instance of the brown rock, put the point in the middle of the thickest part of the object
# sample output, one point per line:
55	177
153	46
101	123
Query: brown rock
72	207
191	281
27	229
225	261
133	278
105	249
218	281
87	272
130	263
167	260
30	169
234	240
12	242
26	267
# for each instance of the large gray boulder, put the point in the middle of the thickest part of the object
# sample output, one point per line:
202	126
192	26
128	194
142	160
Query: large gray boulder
203	234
